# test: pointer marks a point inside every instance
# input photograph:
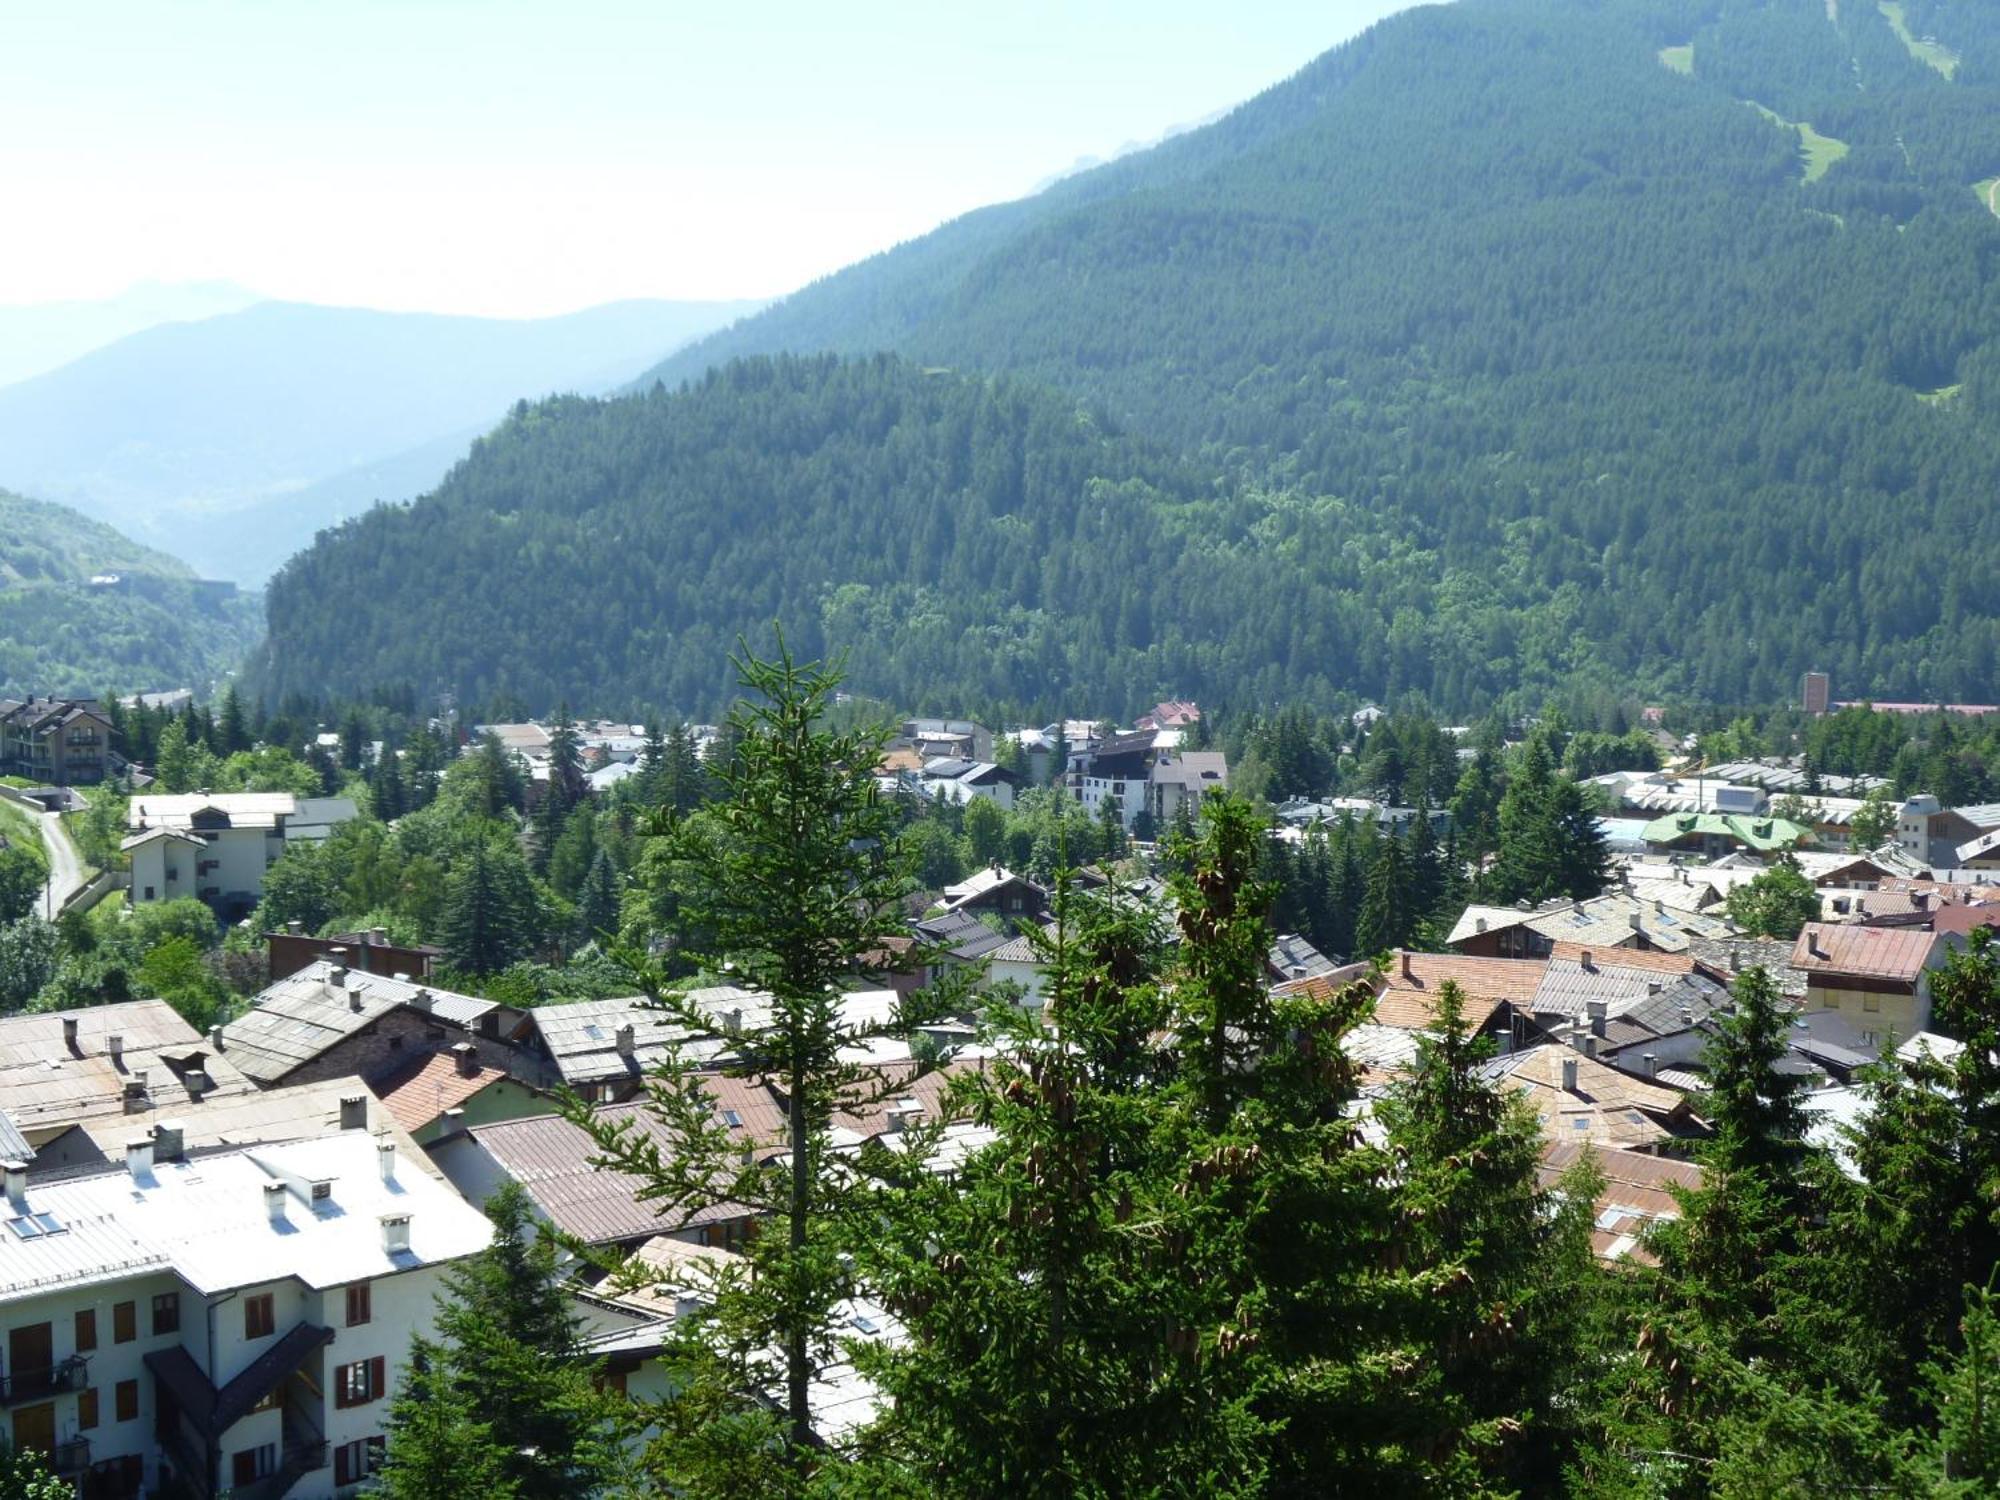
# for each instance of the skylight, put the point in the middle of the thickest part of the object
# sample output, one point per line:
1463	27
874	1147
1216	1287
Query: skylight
36	1226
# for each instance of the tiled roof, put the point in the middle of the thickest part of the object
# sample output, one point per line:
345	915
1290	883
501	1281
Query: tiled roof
1475	920
433	1083
1410	987
1606	1108
1637	1193
302	1016
1896	953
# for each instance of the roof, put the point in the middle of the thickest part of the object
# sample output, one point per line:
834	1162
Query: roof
1606	1108
49	1083
158	836
421	1091
1409	990
1651	997
1897	953
1292	957
300	1111
582	1036
1613	920
550	1158
242	809
984	883
1638	1192
1761	834
304	1015
206	1219
1197	770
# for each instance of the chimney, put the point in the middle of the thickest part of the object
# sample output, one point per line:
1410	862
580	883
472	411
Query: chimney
139	1158
467	1057
451	1122
1812	943
169	1140
627	1040
215	1037
1584	962
136	1100
1405	956
1921	900
1569	1075
1659	907
732	1021
115	1045
379	936
1598	1012
354	1112
15	1174
1638	921
1687	1015
274	1202
420	1001
395	1233
1589	1046
69	1032
385	1159
354	998
1480	924
295	927
1652	1060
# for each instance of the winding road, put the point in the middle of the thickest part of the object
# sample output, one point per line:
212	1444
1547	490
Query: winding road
65	868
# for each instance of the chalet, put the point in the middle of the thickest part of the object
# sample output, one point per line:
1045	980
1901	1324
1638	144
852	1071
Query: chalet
57	741
1879	975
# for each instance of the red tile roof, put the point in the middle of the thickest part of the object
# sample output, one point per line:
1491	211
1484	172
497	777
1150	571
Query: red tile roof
1409	992
1898	953
418	1095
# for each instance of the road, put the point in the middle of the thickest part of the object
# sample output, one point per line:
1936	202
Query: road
65	868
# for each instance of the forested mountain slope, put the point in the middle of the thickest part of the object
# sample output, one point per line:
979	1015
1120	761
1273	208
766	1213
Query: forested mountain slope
154	629
1531	285
209	436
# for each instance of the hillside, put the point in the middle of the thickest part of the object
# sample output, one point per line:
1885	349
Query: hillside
1533	342
155	628
211	436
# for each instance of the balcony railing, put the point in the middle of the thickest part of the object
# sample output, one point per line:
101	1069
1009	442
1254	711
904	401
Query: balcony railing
71	1457
39	1385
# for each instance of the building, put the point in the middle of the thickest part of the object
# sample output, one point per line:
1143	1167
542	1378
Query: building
1714	834
952	779
1815	692
1170	713
1879	976
217	846
1585	1102
953	737
328	1021
436	1093
56	741
229	1322
1620	919
1638	1192
60	1070
603	1049
370	952
1932	834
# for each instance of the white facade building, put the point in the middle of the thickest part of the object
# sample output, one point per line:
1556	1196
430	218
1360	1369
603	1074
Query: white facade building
217	847
234	1321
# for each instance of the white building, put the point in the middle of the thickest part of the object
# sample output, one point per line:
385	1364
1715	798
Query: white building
218	846
234	1321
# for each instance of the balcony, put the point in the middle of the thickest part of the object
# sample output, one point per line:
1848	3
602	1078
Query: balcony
298	1459
39	1385
70	1457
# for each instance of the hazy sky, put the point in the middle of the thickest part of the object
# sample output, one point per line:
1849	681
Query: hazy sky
519	159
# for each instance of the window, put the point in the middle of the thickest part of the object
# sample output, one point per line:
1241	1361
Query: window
260	1317
124	1322
125	1401
355	1461
86	1409
359	1383
360	1304
166	1313
149	893
86	1330
251	1464
1871	1002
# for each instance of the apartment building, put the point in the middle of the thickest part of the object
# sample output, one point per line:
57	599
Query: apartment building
223	1321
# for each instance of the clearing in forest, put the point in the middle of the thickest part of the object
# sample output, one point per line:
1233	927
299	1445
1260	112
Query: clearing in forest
1941	395
1989	194
1680	59
1926	50
1820	152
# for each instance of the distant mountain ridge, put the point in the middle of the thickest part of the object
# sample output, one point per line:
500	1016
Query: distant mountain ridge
35	338
1637	347
215	434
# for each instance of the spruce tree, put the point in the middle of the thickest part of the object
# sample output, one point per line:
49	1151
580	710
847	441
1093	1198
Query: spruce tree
438	1448
489	916
597	903
1387	912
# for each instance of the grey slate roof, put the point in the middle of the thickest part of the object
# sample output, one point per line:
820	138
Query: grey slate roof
582	1037
302	1016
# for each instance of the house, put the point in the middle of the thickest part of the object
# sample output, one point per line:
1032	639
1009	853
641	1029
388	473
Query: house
224	1324
1932	834
329	1021
1292	957
952	779
1618	919
957	737
1638	1192
1649	1014
1179	780
551	1159
1496	993
57	741
1981	853
1711	835
1171	713
64	1069
370	952
1880	975
434	1093
218	846
997	891
1583	1101
603	1049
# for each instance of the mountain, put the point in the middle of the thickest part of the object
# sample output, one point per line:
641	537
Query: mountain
144	624
213	434
1647	345
42	336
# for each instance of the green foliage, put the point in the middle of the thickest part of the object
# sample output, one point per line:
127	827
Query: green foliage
174	971
29	953
24	1475
23	870
491	914
1777	904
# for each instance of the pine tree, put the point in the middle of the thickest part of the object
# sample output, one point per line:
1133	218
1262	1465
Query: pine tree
438	1448
387	796
1964	1392
597	903
792	881
1526	866
1387	911
489	916
230	728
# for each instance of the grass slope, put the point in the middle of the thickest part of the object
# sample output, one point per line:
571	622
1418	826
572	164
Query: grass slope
1679	59
1928	51
1818	152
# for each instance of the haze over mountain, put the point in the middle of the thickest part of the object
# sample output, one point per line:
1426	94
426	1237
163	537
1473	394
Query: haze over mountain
43	336
1648	343
152	628
220	436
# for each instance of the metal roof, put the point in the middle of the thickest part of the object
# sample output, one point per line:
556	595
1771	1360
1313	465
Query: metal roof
421	1091
1638	1192
302	1016
1897	953
582	1035
48	1083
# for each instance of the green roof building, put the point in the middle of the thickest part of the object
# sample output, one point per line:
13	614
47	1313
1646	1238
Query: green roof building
1716	834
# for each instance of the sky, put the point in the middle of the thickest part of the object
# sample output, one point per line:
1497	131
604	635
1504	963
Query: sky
519	160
